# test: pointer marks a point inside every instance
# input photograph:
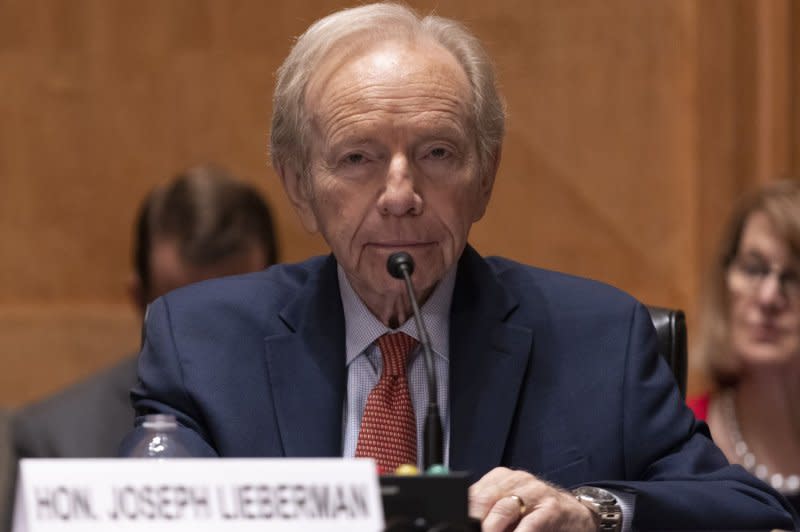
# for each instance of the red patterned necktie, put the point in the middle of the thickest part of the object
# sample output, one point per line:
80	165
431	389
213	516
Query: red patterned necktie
388	427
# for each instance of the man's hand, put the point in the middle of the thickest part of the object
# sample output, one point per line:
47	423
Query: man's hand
536	505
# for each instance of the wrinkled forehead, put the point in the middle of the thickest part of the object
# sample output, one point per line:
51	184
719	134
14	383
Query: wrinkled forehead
360	62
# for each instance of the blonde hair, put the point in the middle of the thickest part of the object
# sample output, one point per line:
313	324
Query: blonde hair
356	27
780	202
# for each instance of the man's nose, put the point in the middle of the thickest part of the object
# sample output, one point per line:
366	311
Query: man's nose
400	196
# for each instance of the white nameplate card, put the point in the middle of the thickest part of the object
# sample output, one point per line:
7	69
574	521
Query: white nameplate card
198	495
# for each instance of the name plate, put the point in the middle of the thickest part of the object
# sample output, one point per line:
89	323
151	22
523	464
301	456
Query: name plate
280	495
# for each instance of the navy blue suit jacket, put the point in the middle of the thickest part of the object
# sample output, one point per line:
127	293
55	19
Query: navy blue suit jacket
549	373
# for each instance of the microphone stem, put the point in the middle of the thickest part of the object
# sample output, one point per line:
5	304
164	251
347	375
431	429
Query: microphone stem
433	426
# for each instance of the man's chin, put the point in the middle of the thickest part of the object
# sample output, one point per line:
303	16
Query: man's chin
384	285
380	283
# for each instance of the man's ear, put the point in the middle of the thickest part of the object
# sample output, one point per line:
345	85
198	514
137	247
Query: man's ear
487	184
299	194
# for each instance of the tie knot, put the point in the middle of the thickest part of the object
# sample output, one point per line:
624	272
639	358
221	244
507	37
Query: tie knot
395	348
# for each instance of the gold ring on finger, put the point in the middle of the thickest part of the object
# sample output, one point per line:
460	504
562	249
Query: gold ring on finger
521	503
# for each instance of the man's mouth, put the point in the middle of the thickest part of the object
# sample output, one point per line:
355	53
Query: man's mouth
396	244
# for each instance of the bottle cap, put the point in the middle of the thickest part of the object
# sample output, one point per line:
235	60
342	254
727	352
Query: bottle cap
159	421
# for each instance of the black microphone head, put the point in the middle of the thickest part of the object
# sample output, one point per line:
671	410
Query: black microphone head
399	262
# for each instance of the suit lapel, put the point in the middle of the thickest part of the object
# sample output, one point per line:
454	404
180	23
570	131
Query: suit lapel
306	366
488	359
307	372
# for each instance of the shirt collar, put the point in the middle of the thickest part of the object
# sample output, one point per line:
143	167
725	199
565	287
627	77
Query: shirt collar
362	328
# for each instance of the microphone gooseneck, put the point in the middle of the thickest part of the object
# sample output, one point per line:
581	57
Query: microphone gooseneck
400	265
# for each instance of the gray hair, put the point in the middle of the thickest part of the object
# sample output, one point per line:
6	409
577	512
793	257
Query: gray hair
355	27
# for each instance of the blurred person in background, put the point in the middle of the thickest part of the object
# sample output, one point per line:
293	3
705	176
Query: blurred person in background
202	224
750	339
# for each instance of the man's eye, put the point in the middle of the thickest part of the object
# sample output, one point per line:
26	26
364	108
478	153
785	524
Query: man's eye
439	153
355	158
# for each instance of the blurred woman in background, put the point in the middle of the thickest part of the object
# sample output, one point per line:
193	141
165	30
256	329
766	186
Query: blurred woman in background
750	339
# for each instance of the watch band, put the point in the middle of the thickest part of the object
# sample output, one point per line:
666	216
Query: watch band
603	504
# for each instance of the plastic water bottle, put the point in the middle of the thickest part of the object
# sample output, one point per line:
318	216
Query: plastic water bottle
160	439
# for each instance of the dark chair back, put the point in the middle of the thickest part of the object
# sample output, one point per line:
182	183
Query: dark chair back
670	326
8	468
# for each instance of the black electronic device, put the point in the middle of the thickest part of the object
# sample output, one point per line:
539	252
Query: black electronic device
427	503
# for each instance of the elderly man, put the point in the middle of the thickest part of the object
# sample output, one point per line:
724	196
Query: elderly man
387	133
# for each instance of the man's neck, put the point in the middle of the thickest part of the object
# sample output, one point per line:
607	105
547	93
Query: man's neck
392	306
363	325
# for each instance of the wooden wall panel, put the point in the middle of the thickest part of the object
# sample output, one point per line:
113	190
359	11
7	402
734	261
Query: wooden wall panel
632	126
45	347
773	44
793	109
597	123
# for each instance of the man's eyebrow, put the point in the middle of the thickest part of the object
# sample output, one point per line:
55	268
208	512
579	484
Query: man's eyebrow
349	140
446	131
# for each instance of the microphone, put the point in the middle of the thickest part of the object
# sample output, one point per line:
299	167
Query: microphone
400	265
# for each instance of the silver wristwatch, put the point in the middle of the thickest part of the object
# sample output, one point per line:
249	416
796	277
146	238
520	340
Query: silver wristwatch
603	504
